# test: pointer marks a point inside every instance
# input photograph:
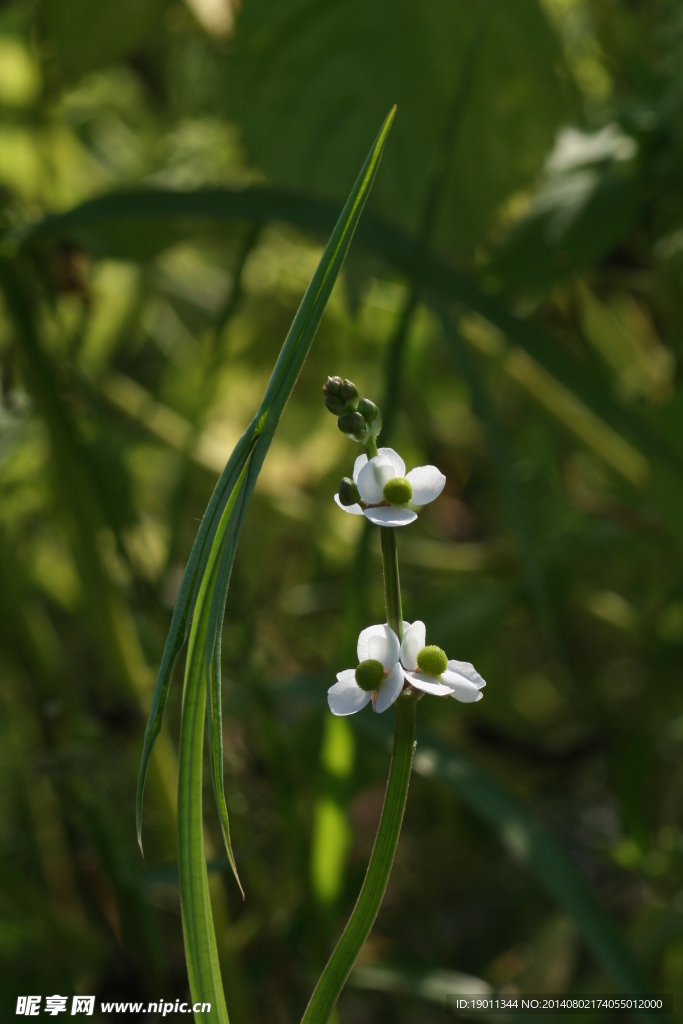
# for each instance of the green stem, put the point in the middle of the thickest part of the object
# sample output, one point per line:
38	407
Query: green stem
369	901
392	586
341	962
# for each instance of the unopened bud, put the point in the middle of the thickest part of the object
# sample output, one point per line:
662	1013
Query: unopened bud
354	426
348	492
340	395
349	392
333	400
372	416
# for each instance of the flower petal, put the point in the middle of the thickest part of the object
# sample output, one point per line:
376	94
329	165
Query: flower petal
363	648
468	693
466	671
430	684
414	638
347	676
355	510
389	689
372	478
395	459
390	515
346	697
385	648
358	465
427	483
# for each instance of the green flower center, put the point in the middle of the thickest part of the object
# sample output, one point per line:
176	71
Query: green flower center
369	674
432	660
398	491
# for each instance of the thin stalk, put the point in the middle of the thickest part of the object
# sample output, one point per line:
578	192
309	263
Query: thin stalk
392	585
369	901
367	906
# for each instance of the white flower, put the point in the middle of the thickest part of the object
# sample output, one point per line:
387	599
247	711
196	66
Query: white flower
379	676
389	496
428	668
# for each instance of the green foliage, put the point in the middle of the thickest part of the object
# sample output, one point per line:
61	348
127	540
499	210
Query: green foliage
200	608
81	35
306	71
513	304
574	220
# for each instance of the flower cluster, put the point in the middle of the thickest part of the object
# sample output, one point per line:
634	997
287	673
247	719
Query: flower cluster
382	491
386	664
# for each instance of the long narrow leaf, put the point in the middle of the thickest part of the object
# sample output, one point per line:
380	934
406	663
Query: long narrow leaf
202	603
198	930
218	575
184	608
260	432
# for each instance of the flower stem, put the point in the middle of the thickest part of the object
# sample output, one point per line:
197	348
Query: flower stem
339	966
392	585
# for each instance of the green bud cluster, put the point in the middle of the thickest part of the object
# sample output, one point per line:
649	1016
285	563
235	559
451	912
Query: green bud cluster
358	418
341	396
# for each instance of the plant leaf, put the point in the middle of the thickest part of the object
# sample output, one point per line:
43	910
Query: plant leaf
246	461
302	71
184	608
209	570
198	931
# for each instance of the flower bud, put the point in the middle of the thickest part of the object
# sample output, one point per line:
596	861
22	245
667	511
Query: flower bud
349	392
354	426
348	492
333	400
372	416
341	396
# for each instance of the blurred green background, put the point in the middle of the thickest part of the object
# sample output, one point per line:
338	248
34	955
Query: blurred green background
168	173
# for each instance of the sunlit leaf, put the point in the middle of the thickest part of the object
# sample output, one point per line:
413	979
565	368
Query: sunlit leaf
325	70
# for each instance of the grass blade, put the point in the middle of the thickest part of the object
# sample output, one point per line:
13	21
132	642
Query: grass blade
184	609
256	440
198	930
201	607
